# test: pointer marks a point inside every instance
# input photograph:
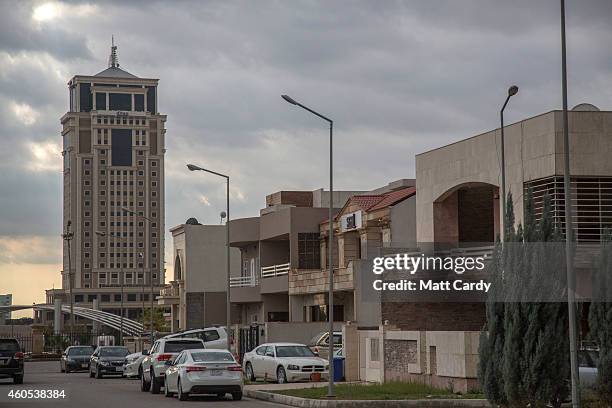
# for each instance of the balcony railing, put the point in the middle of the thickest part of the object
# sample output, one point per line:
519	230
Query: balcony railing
275	270
171	290
243	281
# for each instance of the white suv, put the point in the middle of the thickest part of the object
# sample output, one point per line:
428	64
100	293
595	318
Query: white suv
213	337
155	363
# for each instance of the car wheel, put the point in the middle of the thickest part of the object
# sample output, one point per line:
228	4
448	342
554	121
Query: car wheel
18	379
155	383
144	385
167	392
237	396
248	371
98	373
281	375
182	396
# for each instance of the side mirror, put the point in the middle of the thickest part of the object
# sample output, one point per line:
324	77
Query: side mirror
316	353
269	354
145	352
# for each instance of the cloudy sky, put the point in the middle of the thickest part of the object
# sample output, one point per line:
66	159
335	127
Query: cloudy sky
398	77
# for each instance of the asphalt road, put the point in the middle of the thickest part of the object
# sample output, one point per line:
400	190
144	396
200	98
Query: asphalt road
84	392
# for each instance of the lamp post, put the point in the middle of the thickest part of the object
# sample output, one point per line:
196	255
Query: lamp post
67	237
330	311
569	259
513	90
122	275
193	167
144	217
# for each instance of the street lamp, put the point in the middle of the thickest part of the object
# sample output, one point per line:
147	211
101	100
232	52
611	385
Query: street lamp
67	237
193	167
513	90
569	259
144	217
330	311
122	274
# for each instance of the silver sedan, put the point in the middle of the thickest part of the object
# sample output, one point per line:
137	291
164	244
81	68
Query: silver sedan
204	371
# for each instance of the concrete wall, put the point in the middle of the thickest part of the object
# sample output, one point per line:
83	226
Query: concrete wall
298	332
403	223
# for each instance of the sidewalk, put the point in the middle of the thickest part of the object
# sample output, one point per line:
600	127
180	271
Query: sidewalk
261	391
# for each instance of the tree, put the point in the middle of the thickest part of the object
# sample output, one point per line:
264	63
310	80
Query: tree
524	345
600	317
159	321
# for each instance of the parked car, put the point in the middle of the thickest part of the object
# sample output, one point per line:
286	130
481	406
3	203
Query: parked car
213	337
76	358
319	344
154	365
284	362
107	360
11	360
131	368
587	367
205	371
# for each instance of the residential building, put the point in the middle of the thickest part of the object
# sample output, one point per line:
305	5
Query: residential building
197	294
284	237
365	224
5	300
458	206
113	150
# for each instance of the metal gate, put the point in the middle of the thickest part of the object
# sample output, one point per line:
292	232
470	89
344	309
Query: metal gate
248	339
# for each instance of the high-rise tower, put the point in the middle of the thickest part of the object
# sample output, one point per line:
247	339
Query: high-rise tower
113	138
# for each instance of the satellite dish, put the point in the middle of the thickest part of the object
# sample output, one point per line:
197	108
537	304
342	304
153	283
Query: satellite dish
585	107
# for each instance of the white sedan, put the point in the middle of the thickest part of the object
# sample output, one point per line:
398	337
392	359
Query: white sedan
284	362
204	371
132	365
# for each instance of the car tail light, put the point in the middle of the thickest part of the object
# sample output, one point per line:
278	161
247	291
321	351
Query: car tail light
234	368
195	368
18	355
164	357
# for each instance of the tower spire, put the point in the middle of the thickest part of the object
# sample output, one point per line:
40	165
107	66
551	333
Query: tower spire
113	60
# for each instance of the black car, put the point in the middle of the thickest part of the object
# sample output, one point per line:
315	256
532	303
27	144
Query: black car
76	358
107	360
11	360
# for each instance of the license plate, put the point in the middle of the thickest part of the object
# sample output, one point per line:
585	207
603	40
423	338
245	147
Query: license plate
216	373
84	365
119	369
3	361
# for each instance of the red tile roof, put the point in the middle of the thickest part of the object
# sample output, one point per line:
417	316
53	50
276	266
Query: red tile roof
373	202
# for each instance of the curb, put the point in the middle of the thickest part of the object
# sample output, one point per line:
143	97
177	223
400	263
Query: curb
313	403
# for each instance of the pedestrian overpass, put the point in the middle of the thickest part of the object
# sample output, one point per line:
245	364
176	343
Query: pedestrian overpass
130	327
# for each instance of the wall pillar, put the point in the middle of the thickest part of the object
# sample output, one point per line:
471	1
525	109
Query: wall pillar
57	316
96	325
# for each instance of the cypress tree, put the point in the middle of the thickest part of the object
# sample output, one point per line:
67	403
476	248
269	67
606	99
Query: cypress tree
600	318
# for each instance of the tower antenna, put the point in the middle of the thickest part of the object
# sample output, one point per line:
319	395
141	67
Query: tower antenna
113	60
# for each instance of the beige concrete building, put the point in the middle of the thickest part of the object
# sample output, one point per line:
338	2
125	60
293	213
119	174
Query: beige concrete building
458	205
197	293
113	151
283	238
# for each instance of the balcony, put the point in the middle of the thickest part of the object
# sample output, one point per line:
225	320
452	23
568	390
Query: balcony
275	270
169	294
243	281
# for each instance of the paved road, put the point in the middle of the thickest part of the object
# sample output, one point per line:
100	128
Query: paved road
84	392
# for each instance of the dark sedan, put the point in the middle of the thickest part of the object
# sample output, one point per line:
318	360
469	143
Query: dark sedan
11	360
76	358
107	360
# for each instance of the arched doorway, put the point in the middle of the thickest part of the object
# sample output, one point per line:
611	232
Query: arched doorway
467	215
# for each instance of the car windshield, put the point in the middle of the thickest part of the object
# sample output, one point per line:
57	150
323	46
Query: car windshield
114	352
9	345
178	346
293	351
80	351
209	357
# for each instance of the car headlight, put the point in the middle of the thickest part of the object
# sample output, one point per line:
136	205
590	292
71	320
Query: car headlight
104	363
293	367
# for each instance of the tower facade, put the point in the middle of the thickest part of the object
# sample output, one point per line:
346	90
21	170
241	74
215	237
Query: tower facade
113	151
